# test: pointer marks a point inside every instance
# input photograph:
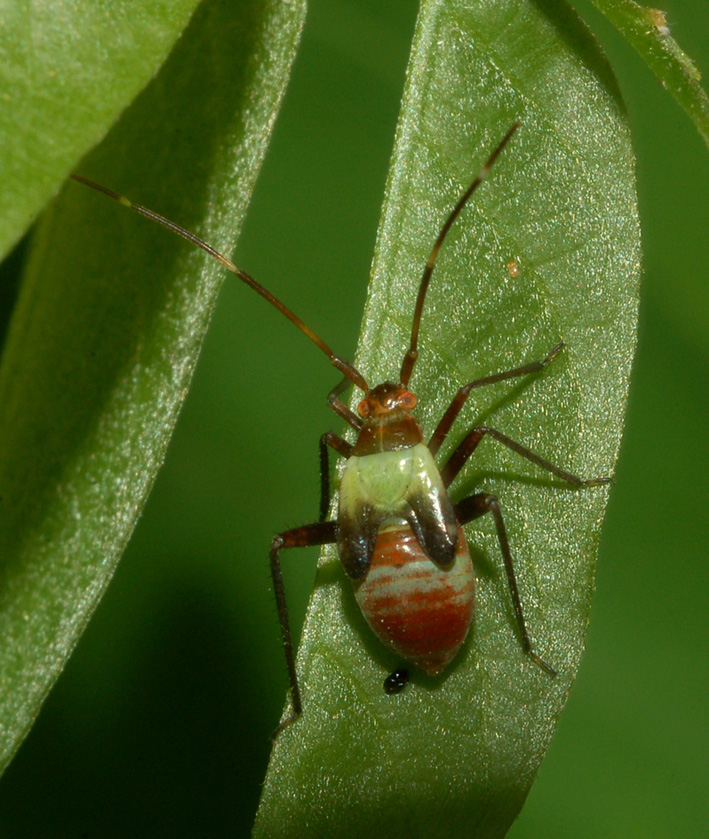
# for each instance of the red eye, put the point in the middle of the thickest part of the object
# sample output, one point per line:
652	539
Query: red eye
408	400
363	408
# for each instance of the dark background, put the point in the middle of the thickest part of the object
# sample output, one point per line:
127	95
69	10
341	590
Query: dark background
159	725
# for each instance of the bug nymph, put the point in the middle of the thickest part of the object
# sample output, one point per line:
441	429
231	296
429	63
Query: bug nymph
399	536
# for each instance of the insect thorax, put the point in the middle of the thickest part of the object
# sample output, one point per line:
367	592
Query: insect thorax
386	480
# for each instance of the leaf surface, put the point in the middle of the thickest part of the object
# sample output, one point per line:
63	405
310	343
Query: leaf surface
548	250
648	31
67	71
108	327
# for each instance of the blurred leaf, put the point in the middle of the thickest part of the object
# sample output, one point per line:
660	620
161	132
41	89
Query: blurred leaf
456	754
648	31
108	327
67	71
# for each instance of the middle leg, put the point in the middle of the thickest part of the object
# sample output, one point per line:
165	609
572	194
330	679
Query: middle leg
342	447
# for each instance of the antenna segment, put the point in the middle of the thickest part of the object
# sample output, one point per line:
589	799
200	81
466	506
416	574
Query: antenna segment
345	367
412	353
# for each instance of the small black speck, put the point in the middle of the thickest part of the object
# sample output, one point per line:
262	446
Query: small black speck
396	681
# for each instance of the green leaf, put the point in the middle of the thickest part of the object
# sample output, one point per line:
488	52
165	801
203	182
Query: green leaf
108	327
456	754
648	31
67	71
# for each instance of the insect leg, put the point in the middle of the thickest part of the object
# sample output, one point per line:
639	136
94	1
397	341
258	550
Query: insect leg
339	407
444	426
470	442
343	448
321	533
472	508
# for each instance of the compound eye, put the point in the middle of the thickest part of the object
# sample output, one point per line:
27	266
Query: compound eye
363	408
408	400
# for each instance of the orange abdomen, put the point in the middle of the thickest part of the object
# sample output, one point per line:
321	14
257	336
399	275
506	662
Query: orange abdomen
420	610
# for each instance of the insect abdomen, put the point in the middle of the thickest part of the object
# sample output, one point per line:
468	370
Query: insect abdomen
420	610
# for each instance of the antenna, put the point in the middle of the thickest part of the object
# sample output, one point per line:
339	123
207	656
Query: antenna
341	364
412	353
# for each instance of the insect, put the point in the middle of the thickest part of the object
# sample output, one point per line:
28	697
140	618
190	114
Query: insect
398	535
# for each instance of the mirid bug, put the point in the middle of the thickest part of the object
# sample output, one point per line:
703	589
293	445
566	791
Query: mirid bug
398	535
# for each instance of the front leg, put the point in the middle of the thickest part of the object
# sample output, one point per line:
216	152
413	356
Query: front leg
446	423
472	508
322	533
339	407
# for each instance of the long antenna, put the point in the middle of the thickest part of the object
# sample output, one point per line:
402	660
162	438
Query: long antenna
412	353
341	364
